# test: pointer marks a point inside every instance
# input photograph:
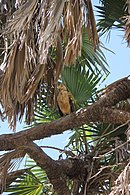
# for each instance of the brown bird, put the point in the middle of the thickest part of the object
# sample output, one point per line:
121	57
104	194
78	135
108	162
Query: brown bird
64	100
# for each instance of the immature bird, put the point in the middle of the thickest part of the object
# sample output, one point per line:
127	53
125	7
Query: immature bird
64	101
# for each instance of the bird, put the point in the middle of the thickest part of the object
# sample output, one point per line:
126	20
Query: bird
64	101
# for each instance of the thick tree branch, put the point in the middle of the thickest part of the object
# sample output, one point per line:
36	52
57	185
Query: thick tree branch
98	112
85	116
115	92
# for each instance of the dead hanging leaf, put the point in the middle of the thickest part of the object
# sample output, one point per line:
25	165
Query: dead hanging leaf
22	17
73	25
49	79
47	35
33	30
92	31
1	77
58	67
78	14
21	64
122	183
59	59
127	29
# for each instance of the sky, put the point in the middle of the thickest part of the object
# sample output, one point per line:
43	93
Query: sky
119	67
120	61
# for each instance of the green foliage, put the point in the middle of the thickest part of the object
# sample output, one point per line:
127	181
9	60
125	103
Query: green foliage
80	83
97	137
43	113
92	59
26	184
33	181
111	14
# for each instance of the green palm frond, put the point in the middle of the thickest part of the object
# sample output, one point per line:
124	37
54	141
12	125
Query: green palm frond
80	83
103	130
36	170
111	14
102	137
78	141
33	181
44	114
26	184
95	60
81	137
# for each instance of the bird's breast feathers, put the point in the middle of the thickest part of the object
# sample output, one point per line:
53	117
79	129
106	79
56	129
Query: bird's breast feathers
63	102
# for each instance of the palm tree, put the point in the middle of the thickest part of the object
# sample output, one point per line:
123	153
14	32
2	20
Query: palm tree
46	43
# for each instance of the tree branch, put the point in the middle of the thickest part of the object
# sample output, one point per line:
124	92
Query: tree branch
85	116
98	112
53	168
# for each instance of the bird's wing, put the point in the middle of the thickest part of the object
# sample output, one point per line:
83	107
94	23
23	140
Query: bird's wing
72	106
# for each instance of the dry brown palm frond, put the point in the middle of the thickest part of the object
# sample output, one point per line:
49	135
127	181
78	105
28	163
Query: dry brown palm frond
9	162
73	27
121	150
34	34
127	29
1	80
48	33
122	184
91	26
22	17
